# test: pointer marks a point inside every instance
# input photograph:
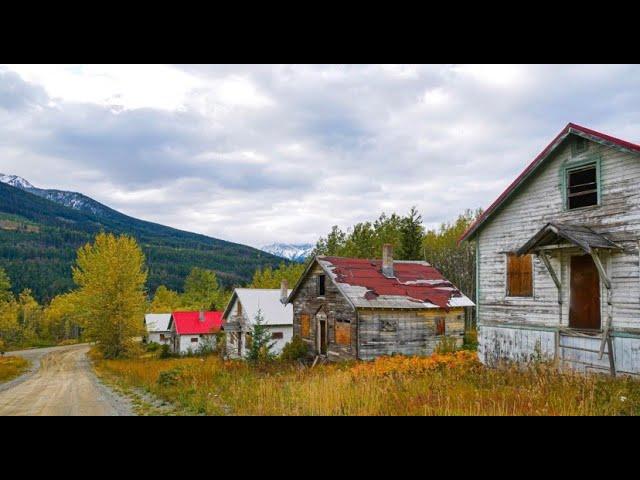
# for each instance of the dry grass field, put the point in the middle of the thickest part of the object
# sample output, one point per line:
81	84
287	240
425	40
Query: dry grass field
11	367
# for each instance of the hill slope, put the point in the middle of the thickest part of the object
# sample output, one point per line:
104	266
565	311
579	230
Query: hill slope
39	239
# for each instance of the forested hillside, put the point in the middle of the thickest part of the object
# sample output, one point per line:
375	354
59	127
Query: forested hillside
39	239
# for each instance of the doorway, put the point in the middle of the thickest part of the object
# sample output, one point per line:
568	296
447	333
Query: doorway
323	337
584	309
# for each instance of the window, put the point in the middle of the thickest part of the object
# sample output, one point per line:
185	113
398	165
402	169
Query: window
582	187
162	336
194	340
440	325
519	275
343	331
321	285
277	336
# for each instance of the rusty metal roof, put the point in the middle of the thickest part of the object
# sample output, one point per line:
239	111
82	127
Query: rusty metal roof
415	285
558	233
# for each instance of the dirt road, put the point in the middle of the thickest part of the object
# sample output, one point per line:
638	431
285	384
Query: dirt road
62	383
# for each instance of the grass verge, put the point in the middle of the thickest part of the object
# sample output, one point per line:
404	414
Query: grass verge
11	367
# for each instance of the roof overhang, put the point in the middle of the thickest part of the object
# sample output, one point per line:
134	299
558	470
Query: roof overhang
570	129
563	235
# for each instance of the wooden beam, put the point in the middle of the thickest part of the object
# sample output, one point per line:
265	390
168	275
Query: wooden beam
543	256
600	267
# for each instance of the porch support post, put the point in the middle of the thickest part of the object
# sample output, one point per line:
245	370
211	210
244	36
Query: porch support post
542	255
606	339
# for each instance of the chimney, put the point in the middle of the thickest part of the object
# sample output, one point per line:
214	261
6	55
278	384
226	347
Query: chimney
387	260
284	291
201	316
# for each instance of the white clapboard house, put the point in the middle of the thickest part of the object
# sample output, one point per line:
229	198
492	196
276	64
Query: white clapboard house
558	262
241	312
157	326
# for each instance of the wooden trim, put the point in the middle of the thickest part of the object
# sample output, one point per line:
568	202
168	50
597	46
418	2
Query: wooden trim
570	165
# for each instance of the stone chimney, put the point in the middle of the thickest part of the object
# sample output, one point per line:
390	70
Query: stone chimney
201	316
284	291
387	260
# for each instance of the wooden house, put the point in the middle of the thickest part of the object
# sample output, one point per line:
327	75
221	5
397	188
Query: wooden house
193	331
241	312
350	308
558	264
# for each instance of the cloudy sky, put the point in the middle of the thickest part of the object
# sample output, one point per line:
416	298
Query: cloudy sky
257	154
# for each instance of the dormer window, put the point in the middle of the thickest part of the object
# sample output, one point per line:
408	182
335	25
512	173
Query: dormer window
582	187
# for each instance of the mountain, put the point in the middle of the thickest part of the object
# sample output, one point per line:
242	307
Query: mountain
294	252
39	238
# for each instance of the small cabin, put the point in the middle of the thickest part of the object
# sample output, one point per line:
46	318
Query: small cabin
558	258
191	332
240	315
157	327
353	308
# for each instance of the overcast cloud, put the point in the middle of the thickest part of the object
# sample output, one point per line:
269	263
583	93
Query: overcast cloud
257	154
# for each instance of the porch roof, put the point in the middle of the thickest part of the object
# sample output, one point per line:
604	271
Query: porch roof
576	235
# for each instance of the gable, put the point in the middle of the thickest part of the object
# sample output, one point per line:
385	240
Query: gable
562	140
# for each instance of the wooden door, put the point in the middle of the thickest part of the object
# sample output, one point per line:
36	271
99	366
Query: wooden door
323	337
584	310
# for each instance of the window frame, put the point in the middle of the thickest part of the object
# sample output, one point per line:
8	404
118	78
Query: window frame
277	335
506	279
573	166
322	285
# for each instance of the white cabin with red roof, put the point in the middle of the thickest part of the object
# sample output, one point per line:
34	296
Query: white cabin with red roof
558	258
352	308
192	332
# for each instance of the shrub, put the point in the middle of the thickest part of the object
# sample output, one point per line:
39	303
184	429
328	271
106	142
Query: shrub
294	350
165	351
169	378
152	347
470	340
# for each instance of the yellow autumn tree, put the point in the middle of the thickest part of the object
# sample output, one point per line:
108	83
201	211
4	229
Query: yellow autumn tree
111	275
62	317
165	301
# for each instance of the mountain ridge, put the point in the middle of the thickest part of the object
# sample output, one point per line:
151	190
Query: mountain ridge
296	252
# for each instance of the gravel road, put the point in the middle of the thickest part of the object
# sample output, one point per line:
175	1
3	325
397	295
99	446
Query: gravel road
61	383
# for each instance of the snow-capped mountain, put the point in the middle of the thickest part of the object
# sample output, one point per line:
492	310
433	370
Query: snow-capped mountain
293	252
74	200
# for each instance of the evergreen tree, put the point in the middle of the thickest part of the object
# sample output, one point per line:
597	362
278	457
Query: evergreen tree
111	275
412	233
260	345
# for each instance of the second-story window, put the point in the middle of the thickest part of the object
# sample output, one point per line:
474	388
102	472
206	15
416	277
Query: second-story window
582	187
321	285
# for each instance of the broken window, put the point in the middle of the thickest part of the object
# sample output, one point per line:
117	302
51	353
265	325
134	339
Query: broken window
519	275
321	285
582	187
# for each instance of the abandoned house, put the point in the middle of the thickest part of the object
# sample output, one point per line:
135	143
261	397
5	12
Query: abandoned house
191	332
558	264
240	315
351	308
157	327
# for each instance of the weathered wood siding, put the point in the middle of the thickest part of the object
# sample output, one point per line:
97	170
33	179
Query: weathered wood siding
406	332
307	304
540	201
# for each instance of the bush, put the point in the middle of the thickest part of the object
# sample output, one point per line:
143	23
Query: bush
152	347
470	340
165	351
447	345
169	378
294	350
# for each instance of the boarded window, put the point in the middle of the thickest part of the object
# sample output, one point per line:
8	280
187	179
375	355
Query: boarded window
321	285
519	275
343	332
440	325
304	325
277	336
582	187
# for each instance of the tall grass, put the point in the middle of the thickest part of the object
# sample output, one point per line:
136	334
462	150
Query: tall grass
451	384
11	367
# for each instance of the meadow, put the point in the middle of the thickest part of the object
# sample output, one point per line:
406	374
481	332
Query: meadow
11	367
443	384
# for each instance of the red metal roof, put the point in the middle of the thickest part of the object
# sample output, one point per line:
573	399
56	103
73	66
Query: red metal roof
571	127
417	281
189	323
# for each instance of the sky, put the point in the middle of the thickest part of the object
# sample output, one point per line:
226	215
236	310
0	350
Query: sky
280	153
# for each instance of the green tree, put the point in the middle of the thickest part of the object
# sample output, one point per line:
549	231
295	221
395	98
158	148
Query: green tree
5	286
412	233
270	278
29	317
260	346
110	274
62	319
165	301
202	292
